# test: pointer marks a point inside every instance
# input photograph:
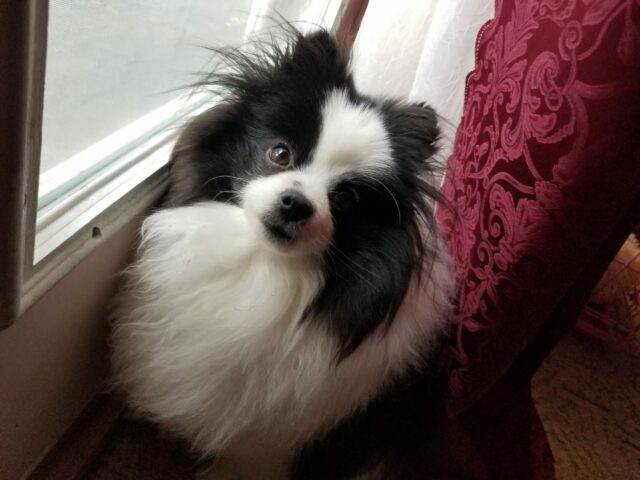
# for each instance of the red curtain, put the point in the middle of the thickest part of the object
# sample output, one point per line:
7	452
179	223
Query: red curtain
544	182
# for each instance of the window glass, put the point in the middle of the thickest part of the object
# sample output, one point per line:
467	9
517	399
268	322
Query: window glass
110	62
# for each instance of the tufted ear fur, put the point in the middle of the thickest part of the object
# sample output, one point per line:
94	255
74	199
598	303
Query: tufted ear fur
205	150
416	125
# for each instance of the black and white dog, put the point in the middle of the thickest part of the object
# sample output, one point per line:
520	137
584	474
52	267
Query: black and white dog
289	297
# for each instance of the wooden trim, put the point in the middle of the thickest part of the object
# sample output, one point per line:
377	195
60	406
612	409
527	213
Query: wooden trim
37	62
13	34
22	65
70	458
349	22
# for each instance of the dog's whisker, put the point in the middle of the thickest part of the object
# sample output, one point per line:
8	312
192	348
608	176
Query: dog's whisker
395	200
234	194
351	263
225	176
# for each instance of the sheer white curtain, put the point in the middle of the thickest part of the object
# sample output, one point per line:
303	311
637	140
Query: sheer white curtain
421	50
304	14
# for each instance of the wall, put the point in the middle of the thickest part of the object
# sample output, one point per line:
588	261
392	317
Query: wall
53	359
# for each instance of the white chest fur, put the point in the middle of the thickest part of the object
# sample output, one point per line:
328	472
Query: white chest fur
208	342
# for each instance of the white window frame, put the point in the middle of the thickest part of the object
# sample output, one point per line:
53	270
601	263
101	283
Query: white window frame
76	205
105	186
83	208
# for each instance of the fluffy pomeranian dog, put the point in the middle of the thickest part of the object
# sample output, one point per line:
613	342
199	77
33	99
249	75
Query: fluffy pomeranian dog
287	300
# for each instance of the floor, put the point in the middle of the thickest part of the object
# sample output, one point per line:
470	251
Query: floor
136	451
588	397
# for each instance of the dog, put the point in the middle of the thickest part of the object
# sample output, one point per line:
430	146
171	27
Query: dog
287	303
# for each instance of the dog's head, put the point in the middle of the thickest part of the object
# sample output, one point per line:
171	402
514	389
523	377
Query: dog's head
318	167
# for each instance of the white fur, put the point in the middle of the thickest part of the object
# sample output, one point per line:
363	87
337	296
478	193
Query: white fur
208	339
353	139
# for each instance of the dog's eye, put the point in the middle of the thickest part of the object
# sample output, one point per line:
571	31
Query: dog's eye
280	155
346	195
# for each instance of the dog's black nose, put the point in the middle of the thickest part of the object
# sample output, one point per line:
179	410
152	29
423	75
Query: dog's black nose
294	206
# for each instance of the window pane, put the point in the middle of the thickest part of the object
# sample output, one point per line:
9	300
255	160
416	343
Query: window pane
111	62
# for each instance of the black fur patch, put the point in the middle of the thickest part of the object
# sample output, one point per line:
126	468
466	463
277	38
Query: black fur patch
378	246
392	435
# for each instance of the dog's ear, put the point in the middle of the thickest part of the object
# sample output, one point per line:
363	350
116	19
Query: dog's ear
200	159
319	55
413	127
421	120
315	46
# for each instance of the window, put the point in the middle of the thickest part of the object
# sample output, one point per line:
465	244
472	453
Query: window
105	91
115	83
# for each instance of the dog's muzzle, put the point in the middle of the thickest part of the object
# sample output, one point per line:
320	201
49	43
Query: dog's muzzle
292	211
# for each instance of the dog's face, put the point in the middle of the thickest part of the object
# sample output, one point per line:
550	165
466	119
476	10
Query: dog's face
317	167
301	151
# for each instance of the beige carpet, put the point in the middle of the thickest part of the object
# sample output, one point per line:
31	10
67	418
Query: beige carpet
588	397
